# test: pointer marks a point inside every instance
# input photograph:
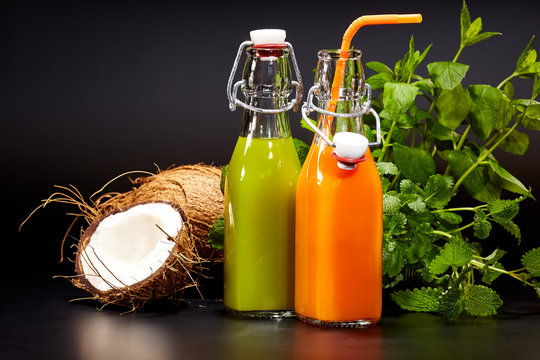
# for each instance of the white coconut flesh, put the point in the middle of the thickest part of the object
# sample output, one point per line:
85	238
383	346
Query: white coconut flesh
129	246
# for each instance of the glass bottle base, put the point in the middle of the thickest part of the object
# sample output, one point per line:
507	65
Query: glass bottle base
349	324
261	314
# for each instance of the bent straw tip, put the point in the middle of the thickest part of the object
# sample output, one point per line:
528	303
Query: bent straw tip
409	18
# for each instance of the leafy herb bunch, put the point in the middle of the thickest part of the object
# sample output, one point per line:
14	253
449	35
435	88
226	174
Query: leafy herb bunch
424	235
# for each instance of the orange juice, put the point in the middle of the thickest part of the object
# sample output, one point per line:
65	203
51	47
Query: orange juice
338	244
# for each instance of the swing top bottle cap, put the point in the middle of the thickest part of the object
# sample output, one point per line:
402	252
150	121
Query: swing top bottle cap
350	149
263	37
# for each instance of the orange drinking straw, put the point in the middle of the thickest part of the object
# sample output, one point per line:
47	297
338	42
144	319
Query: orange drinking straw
346	44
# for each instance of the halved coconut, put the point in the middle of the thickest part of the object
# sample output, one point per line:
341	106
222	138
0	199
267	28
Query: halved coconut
137	254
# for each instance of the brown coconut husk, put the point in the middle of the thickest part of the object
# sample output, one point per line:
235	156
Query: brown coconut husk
193	190
196	189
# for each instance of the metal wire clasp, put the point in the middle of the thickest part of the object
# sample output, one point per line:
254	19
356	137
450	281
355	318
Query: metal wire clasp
308	107
233	90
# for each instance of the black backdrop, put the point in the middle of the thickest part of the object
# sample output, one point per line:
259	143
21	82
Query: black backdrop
92	89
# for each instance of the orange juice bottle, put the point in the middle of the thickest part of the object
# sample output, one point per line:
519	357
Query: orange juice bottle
338	236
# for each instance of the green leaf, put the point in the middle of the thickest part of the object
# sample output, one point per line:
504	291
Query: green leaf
453	107
407	186
531	261
533	111
485	108
481	301
397	98
302	149
523	105
536	287
417	204
224	170
516	143
510	182
480	37
387	168
474	29
450	304
416	220
385	184
476	183
391	204
450	217
506	113
377	81
446	74
380	68
465	21
393	257
529	66
503	209
216	235
495	256
415	164
455	253
509	90
424	299
511	227
489	274
536	87
481	226
524	54
437	192
304	125
394	223
531	124
421	244
425	85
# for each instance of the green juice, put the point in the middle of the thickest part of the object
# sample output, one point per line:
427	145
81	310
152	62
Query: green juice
259	225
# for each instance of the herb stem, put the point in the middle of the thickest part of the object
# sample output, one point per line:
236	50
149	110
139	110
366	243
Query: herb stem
458	53
513	75
461	228
434	151
442	233
480	265
483	156
493	138
385	144
459	145
394	181
460	209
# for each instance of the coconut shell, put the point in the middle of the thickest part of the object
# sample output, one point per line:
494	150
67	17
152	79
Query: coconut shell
170	280
196	189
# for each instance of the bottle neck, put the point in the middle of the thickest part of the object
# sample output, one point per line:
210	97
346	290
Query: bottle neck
337	124
263	125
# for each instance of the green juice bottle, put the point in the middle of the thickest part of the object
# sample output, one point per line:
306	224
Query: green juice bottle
260	186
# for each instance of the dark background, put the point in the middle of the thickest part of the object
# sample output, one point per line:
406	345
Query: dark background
92	89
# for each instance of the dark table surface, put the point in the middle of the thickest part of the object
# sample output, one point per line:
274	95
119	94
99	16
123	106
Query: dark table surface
38	321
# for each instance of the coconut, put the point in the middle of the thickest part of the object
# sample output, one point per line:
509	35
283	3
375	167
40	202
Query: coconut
131	256
150	242
196	189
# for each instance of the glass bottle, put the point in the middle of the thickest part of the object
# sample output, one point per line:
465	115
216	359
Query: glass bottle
338	277
260	190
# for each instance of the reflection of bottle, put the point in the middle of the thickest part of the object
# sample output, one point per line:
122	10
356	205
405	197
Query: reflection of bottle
260	190
338	214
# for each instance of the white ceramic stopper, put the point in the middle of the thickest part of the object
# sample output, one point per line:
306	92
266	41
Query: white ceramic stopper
350	145
267	36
